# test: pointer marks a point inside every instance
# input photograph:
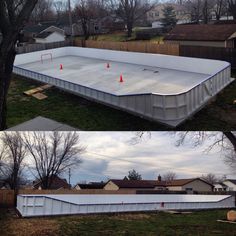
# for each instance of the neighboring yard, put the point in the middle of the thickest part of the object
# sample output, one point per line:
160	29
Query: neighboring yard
197	223
87	115
122	37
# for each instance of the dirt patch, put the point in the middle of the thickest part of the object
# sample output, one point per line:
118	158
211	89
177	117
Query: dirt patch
131	217
31	227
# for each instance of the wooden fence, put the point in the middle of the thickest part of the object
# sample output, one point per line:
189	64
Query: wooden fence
145	47
225	54
6	198
42	46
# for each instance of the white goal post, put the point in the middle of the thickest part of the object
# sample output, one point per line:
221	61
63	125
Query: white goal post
46	56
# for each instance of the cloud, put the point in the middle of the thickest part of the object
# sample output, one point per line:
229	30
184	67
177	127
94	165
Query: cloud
110	155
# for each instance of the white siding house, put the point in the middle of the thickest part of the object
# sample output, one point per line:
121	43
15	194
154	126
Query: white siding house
231	184
50	37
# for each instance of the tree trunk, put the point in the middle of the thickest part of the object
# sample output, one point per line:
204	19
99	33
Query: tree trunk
7	57
130	29
232	138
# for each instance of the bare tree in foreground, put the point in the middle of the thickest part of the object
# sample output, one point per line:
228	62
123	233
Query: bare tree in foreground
226	141
53	153
13	154
13	16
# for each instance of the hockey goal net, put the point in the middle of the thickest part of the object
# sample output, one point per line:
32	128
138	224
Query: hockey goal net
46	57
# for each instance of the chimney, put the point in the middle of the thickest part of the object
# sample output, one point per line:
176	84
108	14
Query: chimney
159	178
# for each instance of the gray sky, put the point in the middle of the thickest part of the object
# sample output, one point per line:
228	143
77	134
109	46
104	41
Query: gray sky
110	155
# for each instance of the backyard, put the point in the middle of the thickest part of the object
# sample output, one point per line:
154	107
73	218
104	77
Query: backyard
86	115
196	223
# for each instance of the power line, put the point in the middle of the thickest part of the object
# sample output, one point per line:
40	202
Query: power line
163	168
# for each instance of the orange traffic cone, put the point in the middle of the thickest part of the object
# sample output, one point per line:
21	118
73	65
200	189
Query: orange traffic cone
108	65
61	67
121	79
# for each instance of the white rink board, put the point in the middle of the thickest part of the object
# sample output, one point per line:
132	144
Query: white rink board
163	88
45	205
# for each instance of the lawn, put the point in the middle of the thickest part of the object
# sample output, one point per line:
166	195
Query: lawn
87	115
122	37
196	223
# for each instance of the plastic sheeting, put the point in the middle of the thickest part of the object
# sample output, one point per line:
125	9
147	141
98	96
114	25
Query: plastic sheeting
42	205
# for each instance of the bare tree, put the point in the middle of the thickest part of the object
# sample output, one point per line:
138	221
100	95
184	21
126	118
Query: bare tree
88	10
232	8
53	153
210	178
13	152
169	176
13	16
42	11
130	11
60	7
195	9
226	141
218	8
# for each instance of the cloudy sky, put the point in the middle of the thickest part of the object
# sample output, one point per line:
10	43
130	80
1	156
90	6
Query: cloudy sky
111	155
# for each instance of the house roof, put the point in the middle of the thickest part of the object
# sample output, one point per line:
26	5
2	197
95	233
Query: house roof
222	184
44	35
153	183
92	185
137	183
220	32
57	183
231	180
182	182
35	28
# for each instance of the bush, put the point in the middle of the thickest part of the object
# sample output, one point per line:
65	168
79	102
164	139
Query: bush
146	34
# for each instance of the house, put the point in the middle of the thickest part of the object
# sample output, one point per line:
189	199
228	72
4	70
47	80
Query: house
213	35
231	184
155	15
220	187
50	37
4	184
91	185
189	185
56	183
117	184
33	32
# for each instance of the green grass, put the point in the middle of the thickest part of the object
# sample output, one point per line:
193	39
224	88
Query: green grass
122	37
196	223
118	37
87	115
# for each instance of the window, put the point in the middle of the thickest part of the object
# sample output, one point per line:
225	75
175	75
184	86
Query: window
189	189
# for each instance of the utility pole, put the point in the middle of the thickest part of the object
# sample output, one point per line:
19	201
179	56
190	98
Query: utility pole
69	175
70	19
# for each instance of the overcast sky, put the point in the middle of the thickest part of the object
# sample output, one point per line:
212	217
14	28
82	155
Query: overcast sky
110	155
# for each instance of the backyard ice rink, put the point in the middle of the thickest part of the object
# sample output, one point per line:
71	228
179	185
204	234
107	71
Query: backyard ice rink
163	88
137	79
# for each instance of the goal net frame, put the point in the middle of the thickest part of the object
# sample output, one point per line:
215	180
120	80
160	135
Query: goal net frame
43	57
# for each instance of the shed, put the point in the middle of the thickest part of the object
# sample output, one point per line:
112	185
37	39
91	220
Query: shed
49	37
222	35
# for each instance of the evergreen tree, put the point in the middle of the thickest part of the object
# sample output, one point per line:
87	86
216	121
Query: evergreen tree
169	20
134	175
